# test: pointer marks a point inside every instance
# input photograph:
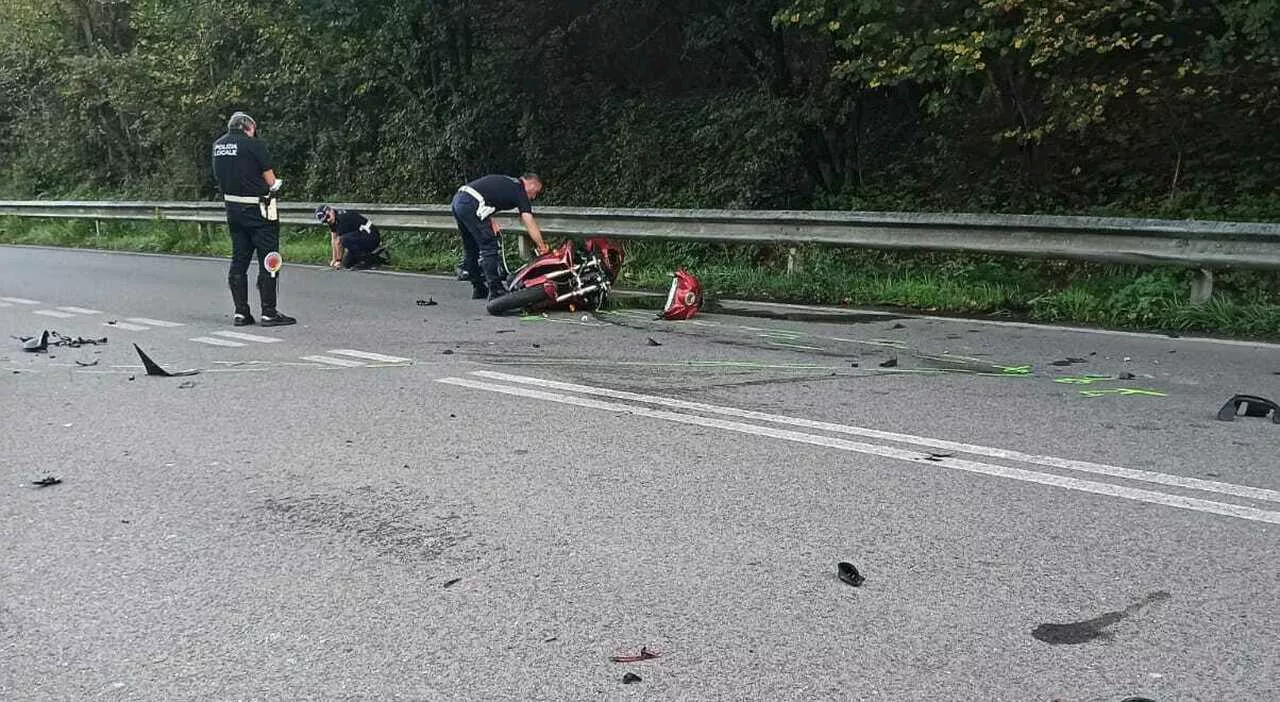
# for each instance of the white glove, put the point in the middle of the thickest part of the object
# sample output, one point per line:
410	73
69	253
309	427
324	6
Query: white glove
276	185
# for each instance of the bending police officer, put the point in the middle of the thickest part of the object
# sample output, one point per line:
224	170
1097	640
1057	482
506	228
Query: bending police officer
246	176
354	241
473	207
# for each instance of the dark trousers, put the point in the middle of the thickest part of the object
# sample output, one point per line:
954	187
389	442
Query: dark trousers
251	235
358	246
482	249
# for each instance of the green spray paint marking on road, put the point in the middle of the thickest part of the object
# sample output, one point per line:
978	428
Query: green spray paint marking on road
1083	379
1123	392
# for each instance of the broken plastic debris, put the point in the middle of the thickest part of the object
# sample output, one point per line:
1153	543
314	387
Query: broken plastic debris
849	574
34	345
46	481
891	363
154	368
82	364
645	654
427	302
630	678
451	583
1254	406
654	343
186	384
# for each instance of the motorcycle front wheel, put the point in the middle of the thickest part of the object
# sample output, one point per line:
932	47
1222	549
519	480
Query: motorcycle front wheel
517	299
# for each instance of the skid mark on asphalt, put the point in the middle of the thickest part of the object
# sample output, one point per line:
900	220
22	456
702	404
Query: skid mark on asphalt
932	459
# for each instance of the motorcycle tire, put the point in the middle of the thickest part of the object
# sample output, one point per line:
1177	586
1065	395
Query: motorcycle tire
515	300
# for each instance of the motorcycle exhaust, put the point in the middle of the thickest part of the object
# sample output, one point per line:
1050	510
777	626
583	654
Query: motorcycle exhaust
588	289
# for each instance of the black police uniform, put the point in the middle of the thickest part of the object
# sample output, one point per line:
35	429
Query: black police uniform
239	161
359	238
472	206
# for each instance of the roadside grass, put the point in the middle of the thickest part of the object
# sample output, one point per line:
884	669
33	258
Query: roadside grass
1245	303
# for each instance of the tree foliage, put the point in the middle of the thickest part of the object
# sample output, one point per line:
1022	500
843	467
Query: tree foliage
1135	106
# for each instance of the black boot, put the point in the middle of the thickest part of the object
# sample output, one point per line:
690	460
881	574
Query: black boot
239	285
271	317
492	269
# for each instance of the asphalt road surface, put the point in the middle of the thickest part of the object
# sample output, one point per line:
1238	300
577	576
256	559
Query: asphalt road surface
400	502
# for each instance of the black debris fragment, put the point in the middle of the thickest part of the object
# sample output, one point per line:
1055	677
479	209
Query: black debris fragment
451	583
630	678
427	302
447	352
1060	363
1137	699
83	364
652	342
899	325
853	364
891	363
131	377
46	481
1126	376
938	456
505	331
1254	406
537	346
111	322
154	368
549	639
849	574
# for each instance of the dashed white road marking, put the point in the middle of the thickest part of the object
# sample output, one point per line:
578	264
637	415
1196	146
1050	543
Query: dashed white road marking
247	337
126	326
53	313
154	322
369	356
80	310
214	341
20	300
345	363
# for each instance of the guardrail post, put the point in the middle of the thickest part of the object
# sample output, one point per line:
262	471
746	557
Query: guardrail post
523	242
97	228
1202	287
791	260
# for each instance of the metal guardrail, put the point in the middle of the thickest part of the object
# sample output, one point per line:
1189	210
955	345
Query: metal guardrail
1200	244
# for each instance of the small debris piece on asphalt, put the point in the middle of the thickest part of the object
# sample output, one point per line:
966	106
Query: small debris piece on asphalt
849	574
899	325
537	346
1126	376
653	343
938	456
630	678
451	583
447	352
34	345
46	481
645	654
891	363
1254	406
154	368
427	302
186	385
82	364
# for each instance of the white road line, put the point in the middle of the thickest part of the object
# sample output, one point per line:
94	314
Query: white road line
1047	461
53	313
6	304
20	300
345	363
917	457
247	337
126	326
155	322
368	356
213	341
80	310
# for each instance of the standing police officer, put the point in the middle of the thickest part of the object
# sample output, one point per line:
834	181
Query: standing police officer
473	207
247	179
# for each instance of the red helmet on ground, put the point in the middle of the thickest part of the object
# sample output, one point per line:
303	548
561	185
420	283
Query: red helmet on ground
684	300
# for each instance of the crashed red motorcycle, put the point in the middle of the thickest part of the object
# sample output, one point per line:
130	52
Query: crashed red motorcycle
567	277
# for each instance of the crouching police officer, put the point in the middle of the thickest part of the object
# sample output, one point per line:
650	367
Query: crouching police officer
355	242
473	207
247	179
